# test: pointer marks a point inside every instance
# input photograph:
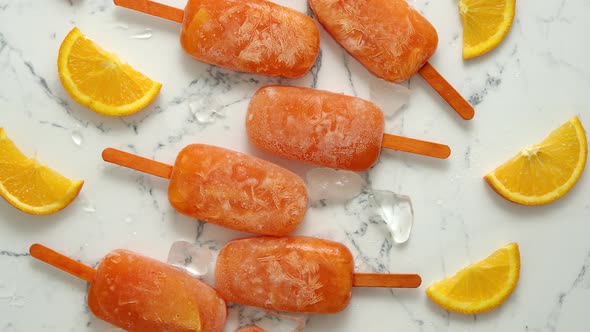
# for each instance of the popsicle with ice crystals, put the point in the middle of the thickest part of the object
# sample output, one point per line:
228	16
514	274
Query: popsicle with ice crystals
227	188
137	293
295	274
325	128
391	39
254	36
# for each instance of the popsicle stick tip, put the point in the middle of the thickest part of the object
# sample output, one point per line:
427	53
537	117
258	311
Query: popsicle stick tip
62	262
386	280
105	153
418	280
445	152
34	249
468	113
411	145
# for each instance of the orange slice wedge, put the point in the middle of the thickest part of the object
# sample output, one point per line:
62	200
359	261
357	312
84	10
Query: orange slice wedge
99	80
543	172
30	186
482	286
485	24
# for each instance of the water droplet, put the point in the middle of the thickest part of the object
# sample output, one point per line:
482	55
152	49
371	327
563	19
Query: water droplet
120	26
190	257
333	185
77	137
14	300
395	211
389	97
89	208
144	34
207	109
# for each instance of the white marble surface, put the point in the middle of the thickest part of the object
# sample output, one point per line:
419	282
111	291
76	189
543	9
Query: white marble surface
535	80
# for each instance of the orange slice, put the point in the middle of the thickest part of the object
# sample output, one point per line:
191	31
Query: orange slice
481	286
485	24
99	80
30	186
546	171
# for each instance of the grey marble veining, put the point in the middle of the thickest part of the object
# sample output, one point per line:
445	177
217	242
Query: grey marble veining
535	80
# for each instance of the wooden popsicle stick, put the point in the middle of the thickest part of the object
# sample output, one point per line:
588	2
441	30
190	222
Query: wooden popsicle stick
446	91
416	146
386	280
153	8
62	262
137	163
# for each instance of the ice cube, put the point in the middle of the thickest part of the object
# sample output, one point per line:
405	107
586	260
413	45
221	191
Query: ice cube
77	137
395	211
206	109
144	34
389	97
190	257
333	185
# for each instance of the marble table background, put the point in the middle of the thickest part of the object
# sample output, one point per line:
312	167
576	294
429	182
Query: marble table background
538	78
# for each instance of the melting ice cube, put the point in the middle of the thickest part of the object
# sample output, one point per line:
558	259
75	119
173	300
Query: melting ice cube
207	109
394	210
333	185
388	96
190	257
145	34
77	137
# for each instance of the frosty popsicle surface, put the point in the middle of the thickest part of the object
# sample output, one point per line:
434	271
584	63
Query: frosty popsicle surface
324	128
295	274
227	188
237	191
390	38
137	293
255	36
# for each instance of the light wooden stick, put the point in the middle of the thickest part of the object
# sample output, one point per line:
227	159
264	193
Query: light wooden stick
386	280
153	8
412	145
62	262
446	91
137	163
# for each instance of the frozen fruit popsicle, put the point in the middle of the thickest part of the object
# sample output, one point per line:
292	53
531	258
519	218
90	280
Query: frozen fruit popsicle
325	128
227	188
254	36
137	293
391	39
295	274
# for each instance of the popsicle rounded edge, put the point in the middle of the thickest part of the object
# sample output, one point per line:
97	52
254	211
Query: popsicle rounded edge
187	19
367	64
209	318
286	242
288	226
356	164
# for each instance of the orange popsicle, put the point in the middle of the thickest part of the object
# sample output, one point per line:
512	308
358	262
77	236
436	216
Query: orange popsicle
389	38
137	293
325	128
227	188
295	274
255	36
